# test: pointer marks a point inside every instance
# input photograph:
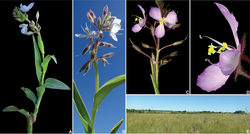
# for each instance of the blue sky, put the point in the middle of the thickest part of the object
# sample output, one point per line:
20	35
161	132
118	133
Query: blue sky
112	109
218	103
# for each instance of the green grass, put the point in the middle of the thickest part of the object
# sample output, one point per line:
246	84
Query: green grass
187	123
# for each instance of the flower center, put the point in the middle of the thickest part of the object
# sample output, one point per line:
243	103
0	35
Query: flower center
211	48
138	18
161	20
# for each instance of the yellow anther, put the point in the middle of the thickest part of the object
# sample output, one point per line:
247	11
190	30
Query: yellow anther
223	48
161	20
211	49
138	18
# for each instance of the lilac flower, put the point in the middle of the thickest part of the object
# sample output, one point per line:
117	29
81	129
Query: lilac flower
216	75
114	28
25	8
137	27
169	21
88	34
24	29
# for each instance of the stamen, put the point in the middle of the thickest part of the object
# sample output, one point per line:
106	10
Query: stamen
207	60
161	20
201	37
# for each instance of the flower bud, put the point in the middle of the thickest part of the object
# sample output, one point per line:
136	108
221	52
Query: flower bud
108	55
101	34
92	14
105	11
145	45
99	20
90	18
85	65
104	61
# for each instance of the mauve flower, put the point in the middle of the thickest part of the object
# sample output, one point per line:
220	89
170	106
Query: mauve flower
169	21
137	27
25	8
216	75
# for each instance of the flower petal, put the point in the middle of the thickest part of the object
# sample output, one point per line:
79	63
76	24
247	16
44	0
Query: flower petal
155	13
113	36
211	78
231	20
115	28
142	10
142	22
171	19
228	61
160	31
136	28
25	8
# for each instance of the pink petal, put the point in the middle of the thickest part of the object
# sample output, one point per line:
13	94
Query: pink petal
136	28
229	60
231	20
142	22
211	78
142	10
155	13
171	19
160	31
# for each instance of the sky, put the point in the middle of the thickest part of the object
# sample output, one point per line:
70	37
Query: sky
112	109
217	103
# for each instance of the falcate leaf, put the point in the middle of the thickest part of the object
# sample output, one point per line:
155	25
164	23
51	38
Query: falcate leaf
29	94
116	127
81	110
15	109
104	91
53	83
46	62
37	60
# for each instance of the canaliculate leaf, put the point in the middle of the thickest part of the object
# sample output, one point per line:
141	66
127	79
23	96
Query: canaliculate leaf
37	60
81	109
116	127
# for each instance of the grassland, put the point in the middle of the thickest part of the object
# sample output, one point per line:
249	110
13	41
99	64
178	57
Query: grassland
187	123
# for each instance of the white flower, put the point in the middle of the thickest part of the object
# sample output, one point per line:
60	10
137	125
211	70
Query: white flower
115	27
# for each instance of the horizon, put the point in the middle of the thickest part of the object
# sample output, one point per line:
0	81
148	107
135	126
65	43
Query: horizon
216	103
189	111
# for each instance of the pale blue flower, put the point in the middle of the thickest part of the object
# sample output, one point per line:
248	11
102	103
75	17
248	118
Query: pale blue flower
24	29
25	8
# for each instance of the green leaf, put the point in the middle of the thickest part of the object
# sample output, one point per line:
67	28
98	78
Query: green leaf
15	109
116	127
53	83
81	110
103	92
37	60
40	43
29	94
46	62
107	87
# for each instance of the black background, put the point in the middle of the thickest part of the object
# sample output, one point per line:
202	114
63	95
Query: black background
173	77
208	20
18	67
